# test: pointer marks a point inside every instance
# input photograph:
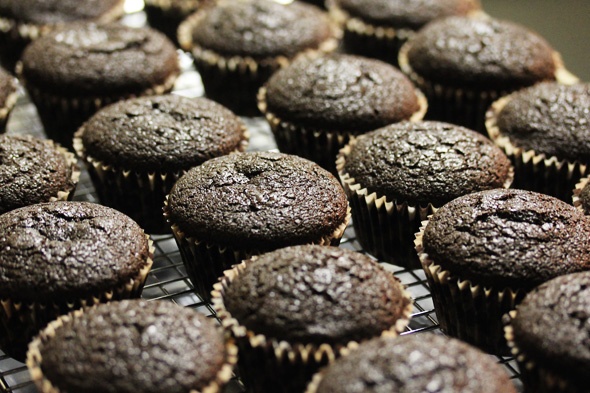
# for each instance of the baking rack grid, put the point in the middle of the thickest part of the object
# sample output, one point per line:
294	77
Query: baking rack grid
168	279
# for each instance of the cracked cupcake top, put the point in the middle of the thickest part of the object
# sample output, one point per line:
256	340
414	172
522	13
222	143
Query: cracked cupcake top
258	201
341	93
552	327
52	12
134	346
415	363
62	250
162	133
508	238
426	162
316	294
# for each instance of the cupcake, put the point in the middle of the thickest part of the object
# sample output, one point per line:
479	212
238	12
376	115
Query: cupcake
135	150
237	45
23	21
244	204
464	64
545	130
484	251
413	363
34	171
378	28
8	96
60	256
132	346
296	309
315	104
69	73
548	334
581	197
166	15
397	175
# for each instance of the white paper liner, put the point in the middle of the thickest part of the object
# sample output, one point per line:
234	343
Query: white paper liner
8	106
577	191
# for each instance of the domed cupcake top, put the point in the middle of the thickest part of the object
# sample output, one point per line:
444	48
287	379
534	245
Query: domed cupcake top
509	238
316	294
52	12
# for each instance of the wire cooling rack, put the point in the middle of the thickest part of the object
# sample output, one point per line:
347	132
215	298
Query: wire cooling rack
168	279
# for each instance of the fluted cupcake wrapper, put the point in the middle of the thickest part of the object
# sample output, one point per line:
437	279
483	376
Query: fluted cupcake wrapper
20	322
466	310
577	191
318	145
205	262
68	194
270	365
234	80
6	109
535	171
138	194
35	359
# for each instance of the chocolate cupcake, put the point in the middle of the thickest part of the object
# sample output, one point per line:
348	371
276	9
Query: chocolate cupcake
378	28
413	363
135	150
484	251
581	197
8	96
545	131
237	45
315	104
548	334
298	308
60	256
236	206
167	15
398	175
132	346
34	171
464	64
69	73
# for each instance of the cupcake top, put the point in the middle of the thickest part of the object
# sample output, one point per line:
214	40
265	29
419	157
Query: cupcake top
32	171
261	28
162	133
78	60
259	201
508	238
134	346
341	92
60	250
551	119
53	12
481	53
7	87
426	162
316	294
551	326
406	14
415	363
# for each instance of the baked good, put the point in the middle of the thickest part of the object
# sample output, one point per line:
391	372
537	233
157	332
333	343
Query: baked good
243	204
484	251
135	150
581	195
548	333
237	45
305	305
69	73
544	130
413	363
166	15
378	28
132	346
397	175
8	96
59	256
463	64
316	103
33	171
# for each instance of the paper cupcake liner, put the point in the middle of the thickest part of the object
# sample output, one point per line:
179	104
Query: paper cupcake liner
318	145
270	365
68	194
535	171
35	359
138	194
20	322
534	377
576	194
205	262
466	310
464	106
8	106
234	81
